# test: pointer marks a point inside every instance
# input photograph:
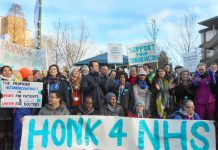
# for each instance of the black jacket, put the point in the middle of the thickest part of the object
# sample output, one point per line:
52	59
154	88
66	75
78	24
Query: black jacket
81	110
93	85
64	87
126	98
109	84
117	111
184	91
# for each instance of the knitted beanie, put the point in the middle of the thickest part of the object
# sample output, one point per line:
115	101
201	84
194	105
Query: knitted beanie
25	72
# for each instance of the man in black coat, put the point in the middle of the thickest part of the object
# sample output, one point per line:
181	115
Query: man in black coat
92	84
109	84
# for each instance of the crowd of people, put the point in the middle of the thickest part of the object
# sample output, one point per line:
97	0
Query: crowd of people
96	90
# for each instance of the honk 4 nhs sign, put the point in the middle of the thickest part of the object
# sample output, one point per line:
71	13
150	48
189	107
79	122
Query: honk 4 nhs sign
141	53
115	133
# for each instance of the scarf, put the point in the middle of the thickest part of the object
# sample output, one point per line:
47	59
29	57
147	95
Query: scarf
75	83
12	78
53	83
142	84
162	98
53	79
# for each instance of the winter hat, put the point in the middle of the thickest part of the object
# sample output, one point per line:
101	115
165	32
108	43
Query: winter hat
109	96
183	70
139	102
25	72
142	72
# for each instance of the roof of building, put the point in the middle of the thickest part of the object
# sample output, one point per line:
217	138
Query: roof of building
101	59
210	22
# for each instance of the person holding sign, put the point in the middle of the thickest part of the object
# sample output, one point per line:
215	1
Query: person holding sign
27	75
111	108
187	111
204	98
138	110
6	114
55	105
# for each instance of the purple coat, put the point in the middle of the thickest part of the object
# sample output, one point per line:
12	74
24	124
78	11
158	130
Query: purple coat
203	94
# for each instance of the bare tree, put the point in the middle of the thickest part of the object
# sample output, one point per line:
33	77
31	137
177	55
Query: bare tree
67	45
152	30
16	24
185	36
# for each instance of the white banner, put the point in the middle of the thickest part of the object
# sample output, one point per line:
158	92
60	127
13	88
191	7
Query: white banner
115	133
191	60
115	54
18	56
141	53
21	94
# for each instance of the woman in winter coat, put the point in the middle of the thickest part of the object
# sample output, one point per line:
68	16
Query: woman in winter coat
162	101
187	111
111	108
133	76
124	93
138	110
184	89
75	86
55	81
19	113
141	90
6	114
204	99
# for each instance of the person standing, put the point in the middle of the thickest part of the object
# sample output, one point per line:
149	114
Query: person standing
124	93
109	83
6	114
19	113
92	84
55	81
141	90
203	80
183	89
75	81
162	104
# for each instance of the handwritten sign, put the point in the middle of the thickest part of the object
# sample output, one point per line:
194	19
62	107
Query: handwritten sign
191	60
115	54
142	53
19	56
21	94
115	133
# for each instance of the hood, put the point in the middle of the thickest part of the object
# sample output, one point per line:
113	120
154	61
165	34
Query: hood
62	106
81	108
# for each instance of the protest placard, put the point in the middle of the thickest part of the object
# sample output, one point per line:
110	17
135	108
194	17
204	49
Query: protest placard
115	133
139	54
191	60
18	56
21	94
115	54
